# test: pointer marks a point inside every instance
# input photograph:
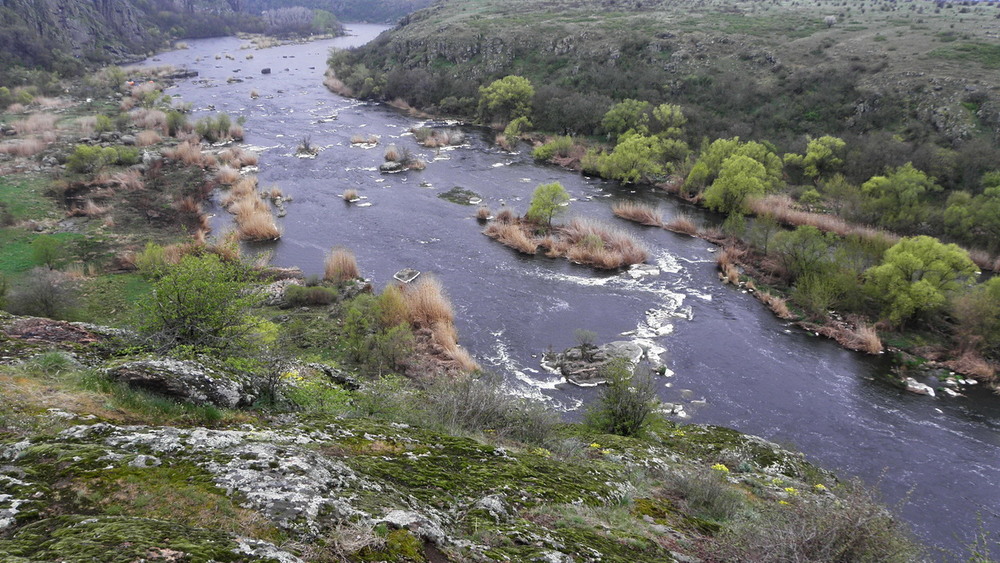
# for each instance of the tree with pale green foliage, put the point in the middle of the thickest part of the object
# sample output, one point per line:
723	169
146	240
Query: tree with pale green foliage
627	115
977	316
898	200
202	302
639	157
739	177
709	164
547	201
975	220
916	276
670	120
824	156
806	250
506	99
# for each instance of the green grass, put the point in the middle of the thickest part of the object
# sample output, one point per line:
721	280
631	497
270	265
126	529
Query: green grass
16	253
111	299
24	198
985	54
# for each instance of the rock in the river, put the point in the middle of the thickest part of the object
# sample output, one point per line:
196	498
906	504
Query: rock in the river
391	167
186	381
582	367
914	386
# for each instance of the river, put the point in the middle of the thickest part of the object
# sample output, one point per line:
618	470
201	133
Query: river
733	363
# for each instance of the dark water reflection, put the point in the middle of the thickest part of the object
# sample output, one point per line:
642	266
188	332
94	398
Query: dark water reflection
753	371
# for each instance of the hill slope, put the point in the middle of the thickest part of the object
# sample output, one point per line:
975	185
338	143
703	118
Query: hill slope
775	71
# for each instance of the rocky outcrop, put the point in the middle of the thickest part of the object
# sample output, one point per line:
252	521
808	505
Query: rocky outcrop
583	365
186	381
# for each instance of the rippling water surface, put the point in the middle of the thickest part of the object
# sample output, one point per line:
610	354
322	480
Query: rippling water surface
733	363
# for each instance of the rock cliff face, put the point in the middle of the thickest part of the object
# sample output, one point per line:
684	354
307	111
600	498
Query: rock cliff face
47	32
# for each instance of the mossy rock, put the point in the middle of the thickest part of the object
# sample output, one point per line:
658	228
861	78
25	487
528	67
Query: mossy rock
114	539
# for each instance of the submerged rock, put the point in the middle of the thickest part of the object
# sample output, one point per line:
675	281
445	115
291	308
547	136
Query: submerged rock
914	386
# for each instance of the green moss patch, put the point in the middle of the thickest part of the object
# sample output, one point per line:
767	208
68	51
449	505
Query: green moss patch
461	196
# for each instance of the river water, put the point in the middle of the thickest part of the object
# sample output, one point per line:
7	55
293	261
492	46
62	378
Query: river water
733	363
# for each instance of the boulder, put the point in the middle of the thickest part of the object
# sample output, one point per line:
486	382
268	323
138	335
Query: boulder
583	367
391	167
914	386
186	381
265	71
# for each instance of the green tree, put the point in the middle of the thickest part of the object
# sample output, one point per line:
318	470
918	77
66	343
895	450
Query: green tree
627	115
739	177
547	201
977	316
806	250
506	99
669	120
975	220
627	403
636	158
713	155
202	302
824	156
916	276
897	200
46	250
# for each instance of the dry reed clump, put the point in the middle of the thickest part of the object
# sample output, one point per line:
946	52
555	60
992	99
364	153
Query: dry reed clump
364	140
860	336
777	304
512	235
35	123
340	266
728	261
129	180
462	358
87	124
23	147
91	209
236	132
337	86
254	94
154	119
596	244
187	152
236	157
970	363
46	102
351	195
483	213
188	205
392	154
681	224
434	138
427	305
147	138
638	212
227	175
505	216
275	193
783	210
258	225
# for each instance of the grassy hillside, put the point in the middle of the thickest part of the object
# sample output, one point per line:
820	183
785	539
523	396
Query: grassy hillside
776	70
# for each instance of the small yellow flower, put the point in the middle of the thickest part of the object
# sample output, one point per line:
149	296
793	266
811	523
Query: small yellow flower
782	502
792	491
820	487
605	452
596	446
720	467
542	452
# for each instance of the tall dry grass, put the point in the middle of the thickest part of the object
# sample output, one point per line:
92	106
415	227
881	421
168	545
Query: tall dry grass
483	213
258	225
340	266
682	224
638	213
427	304
728	260
596	244
227	175
23	147
35	123
364	140
87	124
351	195
129	180
147	138
512	235
864	337
778	305
187	152
783	209
237	157
145	118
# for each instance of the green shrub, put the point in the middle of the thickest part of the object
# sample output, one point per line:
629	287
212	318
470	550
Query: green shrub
707	494
559	146
627	403
87	159
103	124
301	296
854	527
151	262
43	293
371	344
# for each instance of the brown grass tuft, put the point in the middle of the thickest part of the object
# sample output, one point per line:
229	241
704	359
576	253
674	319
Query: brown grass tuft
340	266
187	152
23	147
512	235
638	212
129	180
596	244
392	154
972	364
91	209
87	124
227	175
258	225
682	224
778	305
428	305
149	119
236	157
728	259
188	205
483	213
364	140
35	123
350	195
236	132
147	138
505	216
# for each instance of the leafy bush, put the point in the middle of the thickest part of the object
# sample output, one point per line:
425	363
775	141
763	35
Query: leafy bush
201	302
707	494
857	529
87	159
44	293
369	343
301	296
559	146
627	403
